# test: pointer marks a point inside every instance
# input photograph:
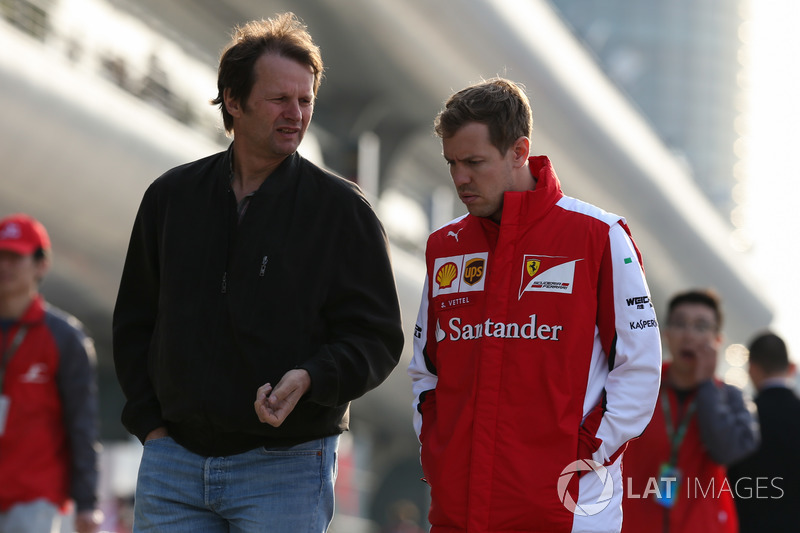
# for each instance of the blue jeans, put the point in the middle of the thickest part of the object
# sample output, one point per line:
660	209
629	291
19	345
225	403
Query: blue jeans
269	490
38	516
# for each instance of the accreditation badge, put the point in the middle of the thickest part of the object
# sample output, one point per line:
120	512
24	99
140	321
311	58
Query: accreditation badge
5	403
669	480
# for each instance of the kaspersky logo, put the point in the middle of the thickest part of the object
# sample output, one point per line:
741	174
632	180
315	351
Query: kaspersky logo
545	273
459	273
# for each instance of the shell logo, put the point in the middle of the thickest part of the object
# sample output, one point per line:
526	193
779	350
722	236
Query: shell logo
446	274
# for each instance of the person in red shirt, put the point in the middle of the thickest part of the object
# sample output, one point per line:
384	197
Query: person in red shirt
536	348
48	394
675	478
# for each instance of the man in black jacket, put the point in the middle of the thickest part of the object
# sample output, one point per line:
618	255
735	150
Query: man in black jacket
251	273
767	484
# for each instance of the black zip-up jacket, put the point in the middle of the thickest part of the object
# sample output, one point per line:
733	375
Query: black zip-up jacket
209	309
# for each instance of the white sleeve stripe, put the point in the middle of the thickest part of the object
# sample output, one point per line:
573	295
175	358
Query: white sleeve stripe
421	377
632	385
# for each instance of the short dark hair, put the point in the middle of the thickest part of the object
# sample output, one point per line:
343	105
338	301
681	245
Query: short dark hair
707	297
769	352
499	103
284	35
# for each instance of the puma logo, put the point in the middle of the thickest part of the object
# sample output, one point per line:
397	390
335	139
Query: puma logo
454	234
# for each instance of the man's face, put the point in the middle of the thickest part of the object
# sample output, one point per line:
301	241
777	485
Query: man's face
481	174
19	274
692	333
279	108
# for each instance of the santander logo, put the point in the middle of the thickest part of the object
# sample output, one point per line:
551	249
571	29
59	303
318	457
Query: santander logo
531	330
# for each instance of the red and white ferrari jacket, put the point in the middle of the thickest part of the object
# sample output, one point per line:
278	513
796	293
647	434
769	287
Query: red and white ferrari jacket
48	446
536	355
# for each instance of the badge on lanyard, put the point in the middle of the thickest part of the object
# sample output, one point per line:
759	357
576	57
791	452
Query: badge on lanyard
669	475
669	481
5	403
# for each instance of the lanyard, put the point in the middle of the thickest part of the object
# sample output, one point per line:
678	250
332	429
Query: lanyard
9	351
676	436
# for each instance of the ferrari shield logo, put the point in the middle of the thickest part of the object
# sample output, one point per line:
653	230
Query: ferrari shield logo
532	266
547	273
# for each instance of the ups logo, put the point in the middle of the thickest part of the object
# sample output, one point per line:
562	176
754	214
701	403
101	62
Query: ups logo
473	270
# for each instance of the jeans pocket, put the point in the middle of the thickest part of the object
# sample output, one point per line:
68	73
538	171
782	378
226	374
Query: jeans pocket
310	448
156	440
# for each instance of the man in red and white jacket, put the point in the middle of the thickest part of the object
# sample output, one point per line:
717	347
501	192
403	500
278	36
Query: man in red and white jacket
48	395
536	351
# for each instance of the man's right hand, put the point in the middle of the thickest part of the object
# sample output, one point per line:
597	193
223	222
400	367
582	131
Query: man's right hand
274	405
706	363
157	433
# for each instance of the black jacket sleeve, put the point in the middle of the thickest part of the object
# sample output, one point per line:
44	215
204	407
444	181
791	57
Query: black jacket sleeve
77	386
362	312
134	321
728	429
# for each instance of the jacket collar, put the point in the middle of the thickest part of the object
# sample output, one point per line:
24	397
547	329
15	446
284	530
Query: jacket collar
526	207
35	311
280	178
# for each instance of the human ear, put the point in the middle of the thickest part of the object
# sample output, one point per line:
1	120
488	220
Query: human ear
42	266
521	150
231	104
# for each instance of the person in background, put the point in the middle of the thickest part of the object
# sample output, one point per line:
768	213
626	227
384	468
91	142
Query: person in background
767	483
48	395
256	301
536	349
676	477
403	518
